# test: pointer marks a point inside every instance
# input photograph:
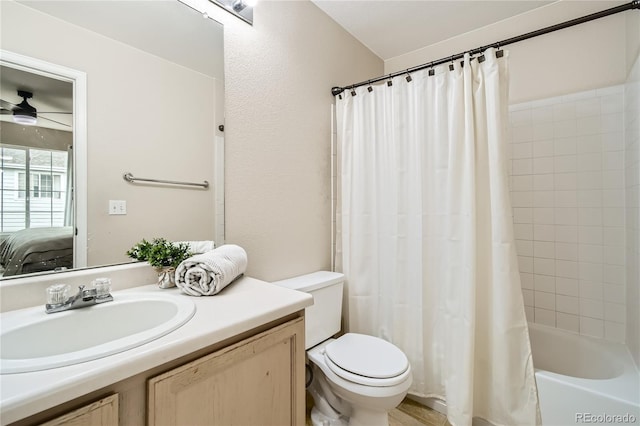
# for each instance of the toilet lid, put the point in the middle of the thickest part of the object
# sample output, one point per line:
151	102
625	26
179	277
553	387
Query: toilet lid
367	356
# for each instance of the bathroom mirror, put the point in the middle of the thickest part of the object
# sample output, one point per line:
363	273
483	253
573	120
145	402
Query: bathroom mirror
154	103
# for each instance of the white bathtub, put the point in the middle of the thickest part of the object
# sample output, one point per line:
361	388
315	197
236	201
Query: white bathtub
583	380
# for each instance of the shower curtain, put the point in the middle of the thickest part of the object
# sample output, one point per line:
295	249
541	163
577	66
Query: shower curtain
425	236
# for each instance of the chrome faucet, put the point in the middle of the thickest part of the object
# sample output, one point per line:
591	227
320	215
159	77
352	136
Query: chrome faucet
58	299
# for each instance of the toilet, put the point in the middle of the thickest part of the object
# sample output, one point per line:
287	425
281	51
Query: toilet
355	379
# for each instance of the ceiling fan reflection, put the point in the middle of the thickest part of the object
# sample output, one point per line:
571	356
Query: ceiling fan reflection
24	113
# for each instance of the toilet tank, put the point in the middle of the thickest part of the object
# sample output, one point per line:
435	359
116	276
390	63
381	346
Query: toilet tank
322	319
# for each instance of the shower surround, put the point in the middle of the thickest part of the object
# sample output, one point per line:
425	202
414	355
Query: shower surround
568	198
632	206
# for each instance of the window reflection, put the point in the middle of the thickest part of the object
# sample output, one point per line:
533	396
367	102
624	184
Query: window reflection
44	172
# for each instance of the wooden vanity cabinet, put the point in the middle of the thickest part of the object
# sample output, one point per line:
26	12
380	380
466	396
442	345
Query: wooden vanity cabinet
254	378
258	381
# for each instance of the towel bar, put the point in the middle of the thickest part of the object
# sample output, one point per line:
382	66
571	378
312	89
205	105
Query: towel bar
130	178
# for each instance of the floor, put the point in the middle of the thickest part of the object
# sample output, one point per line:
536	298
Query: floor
408	413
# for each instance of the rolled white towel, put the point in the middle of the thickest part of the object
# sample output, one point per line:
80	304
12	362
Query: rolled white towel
208	273
198	247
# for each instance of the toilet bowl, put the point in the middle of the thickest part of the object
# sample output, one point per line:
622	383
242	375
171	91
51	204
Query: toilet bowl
356	379
364	400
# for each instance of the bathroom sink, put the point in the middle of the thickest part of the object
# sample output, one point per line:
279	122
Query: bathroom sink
31	340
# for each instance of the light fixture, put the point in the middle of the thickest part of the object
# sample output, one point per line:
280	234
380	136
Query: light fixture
24	113
243	9
240	5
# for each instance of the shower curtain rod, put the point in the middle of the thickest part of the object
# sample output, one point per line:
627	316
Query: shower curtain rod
635	4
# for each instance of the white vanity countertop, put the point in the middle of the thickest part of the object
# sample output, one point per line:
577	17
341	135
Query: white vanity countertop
244	305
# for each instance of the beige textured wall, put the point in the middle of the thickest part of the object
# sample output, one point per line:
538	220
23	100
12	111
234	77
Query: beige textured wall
133	125
278	132
575	59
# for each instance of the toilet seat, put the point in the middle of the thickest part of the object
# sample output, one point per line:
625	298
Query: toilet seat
367	360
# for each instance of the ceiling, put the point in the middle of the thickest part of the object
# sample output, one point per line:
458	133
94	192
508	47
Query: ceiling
391	28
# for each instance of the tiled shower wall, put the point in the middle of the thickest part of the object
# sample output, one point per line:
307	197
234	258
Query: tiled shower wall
632	187
568	197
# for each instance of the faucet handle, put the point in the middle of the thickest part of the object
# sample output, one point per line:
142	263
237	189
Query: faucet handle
58	294
102	286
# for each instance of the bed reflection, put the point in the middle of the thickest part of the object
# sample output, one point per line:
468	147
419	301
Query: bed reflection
37	250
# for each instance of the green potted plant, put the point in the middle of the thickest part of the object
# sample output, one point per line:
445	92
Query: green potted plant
163	255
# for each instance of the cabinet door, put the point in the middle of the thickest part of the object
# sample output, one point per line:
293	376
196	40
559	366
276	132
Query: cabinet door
100	413
258	381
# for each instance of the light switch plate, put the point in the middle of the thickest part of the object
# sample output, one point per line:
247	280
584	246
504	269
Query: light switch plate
117	207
